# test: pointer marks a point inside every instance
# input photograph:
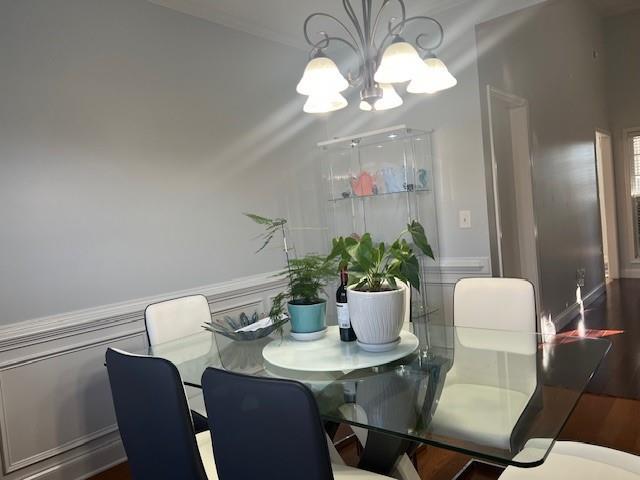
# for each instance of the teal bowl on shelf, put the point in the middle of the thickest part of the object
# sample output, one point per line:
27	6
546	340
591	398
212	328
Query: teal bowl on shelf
308	318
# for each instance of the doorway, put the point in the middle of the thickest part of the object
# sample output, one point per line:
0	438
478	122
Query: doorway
512	171
607	201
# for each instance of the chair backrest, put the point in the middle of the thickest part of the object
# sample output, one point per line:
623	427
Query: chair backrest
501	316
264	428
173	319
153	418
495	303
406	324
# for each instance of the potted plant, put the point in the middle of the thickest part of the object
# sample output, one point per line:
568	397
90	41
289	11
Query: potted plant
376	297
307	277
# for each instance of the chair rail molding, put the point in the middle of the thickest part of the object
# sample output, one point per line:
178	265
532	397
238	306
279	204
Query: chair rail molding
44	329
52	370
452	269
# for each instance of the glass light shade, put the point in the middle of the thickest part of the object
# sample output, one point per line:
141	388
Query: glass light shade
321	77
399	63
390	99
325	103
433	76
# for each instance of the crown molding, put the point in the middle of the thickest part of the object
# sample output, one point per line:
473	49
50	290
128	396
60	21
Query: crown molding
208	11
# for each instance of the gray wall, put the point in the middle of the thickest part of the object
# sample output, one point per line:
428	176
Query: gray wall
131	139
545	55
454	115
622	37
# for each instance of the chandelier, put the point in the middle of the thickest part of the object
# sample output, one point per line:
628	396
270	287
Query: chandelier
380	66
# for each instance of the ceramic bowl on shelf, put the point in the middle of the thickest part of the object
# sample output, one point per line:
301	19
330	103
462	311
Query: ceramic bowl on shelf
245	328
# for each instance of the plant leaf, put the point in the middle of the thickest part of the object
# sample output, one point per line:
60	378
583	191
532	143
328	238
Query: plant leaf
419	238
362	252
258	219
411	272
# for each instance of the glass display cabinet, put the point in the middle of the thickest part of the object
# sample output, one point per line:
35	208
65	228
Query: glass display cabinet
379	181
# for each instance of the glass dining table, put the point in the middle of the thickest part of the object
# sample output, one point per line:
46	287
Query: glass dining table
498	396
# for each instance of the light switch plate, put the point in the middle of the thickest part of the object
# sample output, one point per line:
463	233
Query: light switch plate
464	218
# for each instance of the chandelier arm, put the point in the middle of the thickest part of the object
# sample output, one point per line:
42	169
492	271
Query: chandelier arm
395	30
440	41
377	21
351	13
366	20
327	40
378	18
317	45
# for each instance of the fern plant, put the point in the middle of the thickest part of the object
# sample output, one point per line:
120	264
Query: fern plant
307	276
272	226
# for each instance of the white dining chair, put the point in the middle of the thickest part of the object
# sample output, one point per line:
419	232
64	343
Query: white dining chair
494	375
407	325
576	460
495	303
174	319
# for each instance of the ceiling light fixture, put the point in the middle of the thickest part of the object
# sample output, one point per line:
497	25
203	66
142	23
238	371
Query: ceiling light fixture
390	99
379	65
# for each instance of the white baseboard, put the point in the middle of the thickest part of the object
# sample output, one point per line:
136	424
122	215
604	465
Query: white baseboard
571	312
630	273
86	465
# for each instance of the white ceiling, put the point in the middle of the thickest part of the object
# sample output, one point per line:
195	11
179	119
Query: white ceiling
281	20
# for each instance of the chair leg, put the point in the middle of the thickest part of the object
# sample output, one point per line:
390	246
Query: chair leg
334	455
200	423
405	470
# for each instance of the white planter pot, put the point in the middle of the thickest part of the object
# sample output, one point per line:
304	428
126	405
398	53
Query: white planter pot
377	317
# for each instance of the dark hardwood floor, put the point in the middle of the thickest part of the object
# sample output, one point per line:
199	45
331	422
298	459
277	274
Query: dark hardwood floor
619	309
608	415
121	472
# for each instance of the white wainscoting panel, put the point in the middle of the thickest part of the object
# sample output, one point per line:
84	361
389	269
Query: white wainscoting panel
55	417
56	414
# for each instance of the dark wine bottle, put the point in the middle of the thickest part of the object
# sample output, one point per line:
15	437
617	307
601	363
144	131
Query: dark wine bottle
344	322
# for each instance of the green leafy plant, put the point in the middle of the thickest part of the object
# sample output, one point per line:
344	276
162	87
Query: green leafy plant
307	276
375	267
271	227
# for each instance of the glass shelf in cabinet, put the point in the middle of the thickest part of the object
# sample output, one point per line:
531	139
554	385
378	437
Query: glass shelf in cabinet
385	194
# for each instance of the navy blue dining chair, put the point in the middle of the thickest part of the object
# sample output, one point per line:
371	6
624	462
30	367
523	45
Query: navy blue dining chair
177	318
270	429
154	420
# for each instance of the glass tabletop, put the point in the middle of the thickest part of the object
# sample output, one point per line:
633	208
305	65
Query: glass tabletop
501	396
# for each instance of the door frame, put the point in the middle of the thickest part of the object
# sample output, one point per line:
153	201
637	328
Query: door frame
513	101
609	200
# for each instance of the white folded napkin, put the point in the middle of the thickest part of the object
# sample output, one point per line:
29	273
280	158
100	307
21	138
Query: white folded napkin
264	323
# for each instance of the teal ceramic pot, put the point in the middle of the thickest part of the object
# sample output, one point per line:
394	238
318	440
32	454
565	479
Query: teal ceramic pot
308	318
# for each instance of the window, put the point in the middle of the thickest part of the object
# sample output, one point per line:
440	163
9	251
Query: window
634	154
635	164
